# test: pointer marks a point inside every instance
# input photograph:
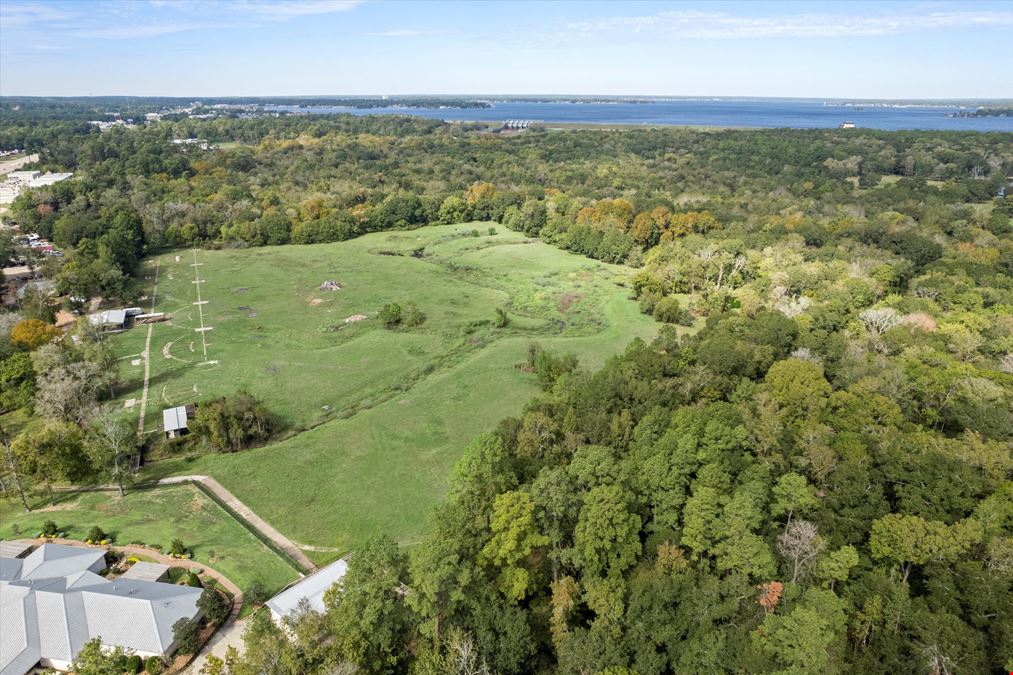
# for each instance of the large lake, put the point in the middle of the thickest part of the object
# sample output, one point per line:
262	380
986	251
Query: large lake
768	113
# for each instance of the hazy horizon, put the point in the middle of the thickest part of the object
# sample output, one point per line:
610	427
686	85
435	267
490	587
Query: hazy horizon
508	95
832	50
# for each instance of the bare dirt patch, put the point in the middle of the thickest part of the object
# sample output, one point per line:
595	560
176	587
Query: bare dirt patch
355	318
315	301
568	299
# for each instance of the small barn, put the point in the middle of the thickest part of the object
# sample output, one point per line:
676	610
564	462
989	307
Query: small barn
110	319
174	422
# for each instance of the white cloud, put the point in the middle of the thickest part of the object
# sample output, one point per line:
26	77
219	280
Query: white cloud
135	31
16	14
276	9
120	20
405	32
710	25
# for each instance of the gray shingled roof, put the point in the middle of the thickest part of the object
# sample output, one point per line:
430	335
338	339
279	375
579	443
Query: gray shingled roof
52	602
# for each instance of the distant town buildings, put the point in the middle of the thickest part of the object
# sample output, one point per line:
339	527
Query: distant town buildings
192	143
516	125
18	181
107	125
847	125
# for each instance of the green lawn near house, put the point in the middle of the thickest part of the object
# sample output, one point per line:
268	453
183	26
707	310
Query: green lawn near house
157	516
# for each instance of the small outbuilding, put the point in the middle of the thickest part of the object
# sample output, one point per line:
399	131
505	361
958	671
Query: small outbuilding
147	571
311	589
110	319
174	422
19	272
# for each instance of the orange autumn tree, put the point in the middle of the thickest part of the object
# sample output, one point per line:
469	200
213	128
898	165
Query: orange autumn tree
33	333
770	595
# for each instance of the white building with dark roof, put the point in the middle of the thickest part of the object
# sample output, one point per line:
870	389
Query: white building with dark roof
53	601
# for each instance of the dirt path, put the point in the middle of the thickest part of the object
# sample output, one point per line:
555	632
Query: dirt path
147	355
15	164
318	549
239	508
157	556
229	635
247	514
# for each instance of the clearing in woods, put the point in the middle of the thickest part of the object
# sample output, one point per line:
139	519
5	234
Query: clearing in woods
382	415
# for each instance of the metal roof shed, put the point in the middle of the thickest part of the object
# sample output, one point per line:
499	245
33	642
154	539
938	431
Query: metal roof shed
312	588
174	421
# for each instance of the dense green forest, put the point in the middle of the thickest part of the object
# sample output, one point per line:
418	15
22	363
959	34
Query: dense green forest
816	481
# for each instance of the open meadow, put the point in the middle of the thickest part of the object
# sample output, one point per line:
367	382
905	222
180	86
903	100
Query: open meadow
374	419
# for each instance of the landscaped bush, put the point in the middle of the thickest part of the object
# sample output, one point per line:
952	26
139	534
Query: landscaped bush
154	666
255	593
133	664
177	547
186	633
49	529
215	607
96	534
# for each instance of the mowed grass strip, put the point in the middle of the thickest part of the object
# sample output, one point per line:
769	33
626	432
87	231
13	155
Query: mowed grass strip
388	413
157	516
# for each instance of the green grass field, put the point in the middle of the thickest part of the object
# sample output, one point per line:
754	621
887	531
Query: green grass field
157	517
385	414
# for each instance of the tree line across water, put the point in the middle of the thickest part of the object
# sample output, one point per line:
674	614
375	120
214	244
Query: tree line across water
816	481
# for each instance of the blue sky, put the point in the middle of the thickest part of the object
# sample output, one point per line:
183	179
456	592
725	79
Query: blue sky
254	47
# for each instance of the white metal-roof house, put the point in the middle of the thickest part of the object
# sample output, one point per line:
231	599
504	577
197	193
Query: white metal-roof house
312	588
110	319
174	422
52	602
